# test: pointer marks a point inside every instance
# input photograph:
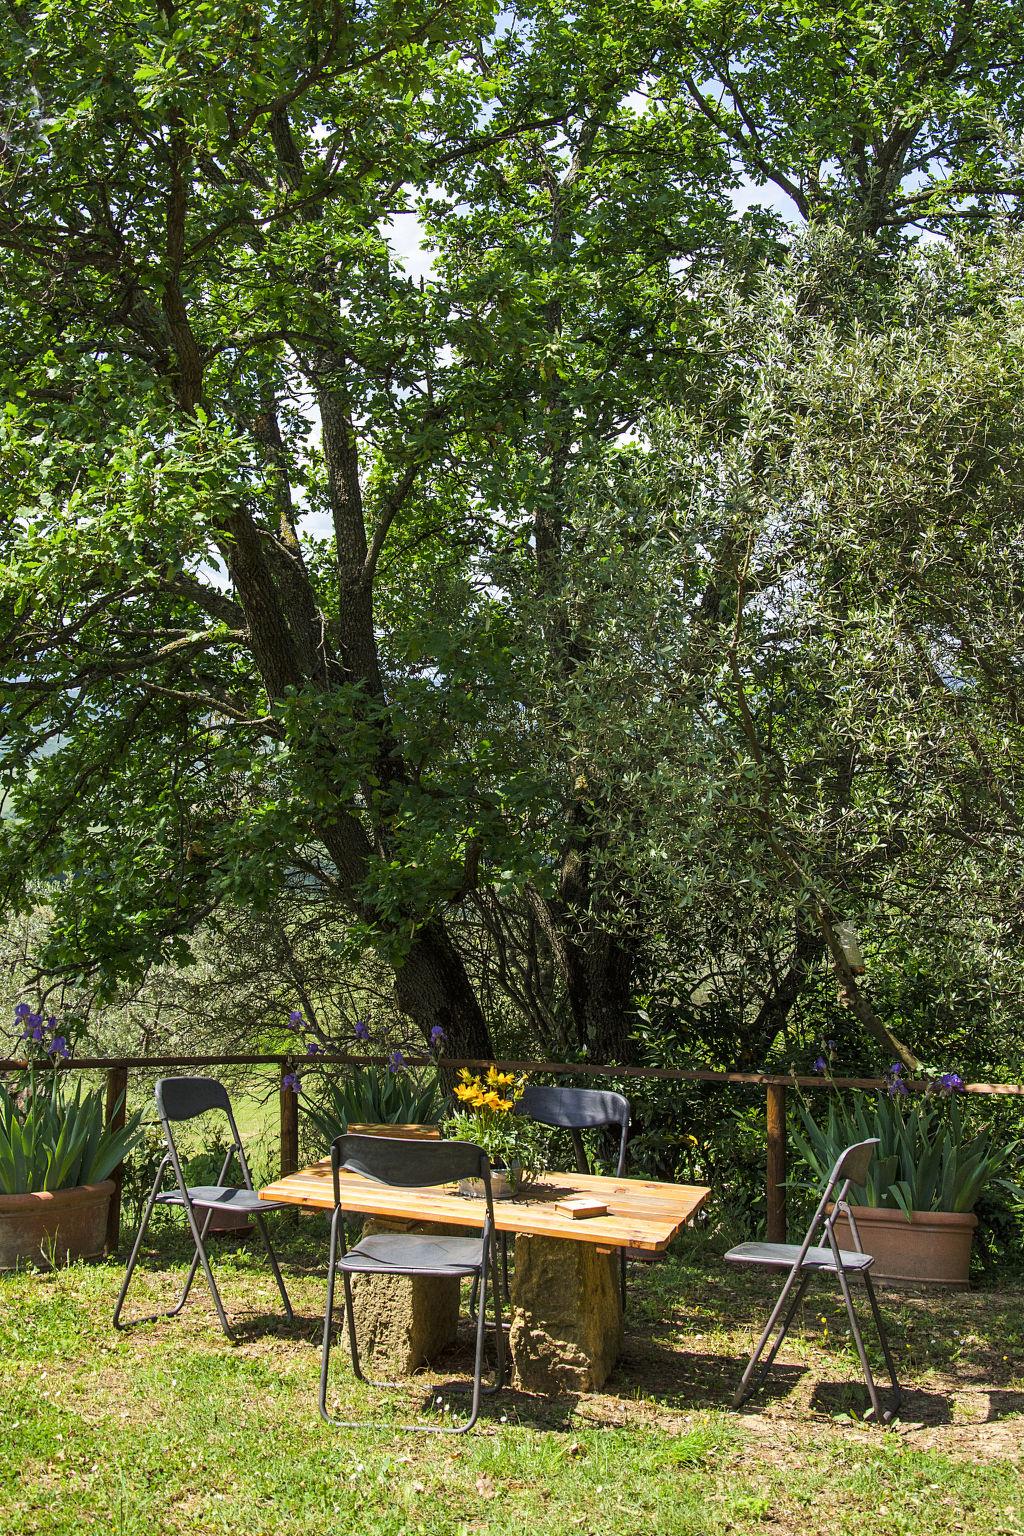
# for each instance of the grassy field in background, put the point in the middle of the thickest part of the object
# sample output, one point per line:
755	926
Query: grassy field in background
172	1429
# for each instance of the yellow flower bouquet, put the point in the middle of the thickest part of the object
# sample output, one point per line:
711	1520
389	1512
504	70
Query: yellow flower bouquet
486	1113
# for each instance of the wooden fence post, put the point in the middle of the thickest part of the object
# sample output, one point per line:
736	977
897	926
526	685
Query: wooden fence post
776	1169
289	1123
114	1118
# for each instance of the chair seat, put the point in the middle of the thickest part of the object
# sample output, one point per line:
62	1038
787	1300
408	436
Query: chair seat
784	1256
413	1253
219	1195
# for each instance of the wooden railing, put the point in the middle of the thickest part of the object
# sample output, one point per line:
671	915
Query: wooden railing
774	1086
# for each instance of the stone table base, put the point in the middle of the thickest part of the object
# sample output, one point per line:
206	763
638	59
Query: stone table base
402	1323
566	1330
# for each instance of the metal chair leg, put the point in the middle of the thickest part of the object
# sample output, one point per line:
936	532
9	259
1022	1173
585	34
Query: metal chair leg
769	1360
476	1387
353	1343
883	1339
504	1267
744	1389
198	1234
261	1223
193	1267
499	1336
478	1361
869	1380
133	1258
329	1316
153	1317
502	1241
499	1323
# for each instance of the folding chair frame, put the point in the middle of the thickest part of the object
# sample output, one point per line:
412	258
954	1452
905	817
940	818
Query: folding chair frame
210	1095
850	1169
574	1110
480	1168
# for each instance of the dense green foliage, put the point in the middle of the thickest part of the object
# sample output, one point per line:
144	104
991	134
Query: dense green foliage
570	648
805	615
928	1159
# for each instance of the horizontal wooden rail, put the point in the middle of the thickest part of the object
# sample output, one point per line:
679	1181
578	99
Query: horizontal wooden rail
775	1087
304	1064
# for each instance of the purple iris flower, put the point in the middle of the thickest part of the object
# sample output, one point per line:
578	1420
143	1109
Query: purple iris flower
396	1062
295	1018
437	1037
819	1064
361	1029
312	1049
59	1046
35	1021
951	1082
36	1032
22	1010
291	1080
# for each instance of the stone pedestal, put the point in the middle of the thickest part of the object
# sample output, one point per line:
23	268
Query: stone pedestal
566	1330
402	1323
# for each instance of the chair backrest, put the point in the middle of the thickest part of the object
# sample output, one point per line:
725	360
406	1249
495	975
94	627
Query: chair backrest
850	1167
409	1163
182	1098
576	1110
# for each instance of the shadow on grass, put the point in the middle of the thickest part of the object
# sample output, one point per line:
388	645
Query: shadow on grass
838	1399
1003	1405
687	1379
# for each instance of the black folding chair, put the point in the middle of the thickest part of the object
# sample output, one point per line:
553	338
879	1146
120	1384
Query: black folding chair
577	1110
184	1098
409	1164
803	1260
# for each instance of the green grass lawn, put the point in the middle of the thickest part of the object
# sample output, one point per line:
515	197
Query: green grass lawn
171	1429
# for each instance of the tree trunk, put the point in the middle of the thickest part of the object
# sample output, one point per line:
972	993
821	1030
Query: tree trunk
432	987
777	1006
599	993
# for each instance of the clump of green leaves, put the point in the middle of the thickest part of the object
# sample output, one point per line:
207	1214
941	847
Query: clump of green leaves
488	1116
927	1159
54	1138
374	1096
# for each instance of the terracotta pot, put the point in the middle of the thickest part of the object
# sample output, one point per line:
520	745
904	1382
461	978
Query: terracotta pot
933	1247
226	1220
54	1226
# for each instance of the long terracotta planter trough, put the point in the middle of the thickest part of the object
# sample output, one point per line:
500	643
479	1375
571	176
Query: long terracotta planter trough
54	1226
933	1247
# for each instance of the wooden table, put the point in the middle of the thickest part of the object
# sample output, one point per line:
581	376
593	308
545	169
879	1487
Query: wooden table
566	1329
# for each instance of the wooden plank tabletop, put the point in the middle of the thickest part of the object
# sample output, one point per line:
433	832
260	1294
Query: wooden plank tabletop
641	1213
399	1131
